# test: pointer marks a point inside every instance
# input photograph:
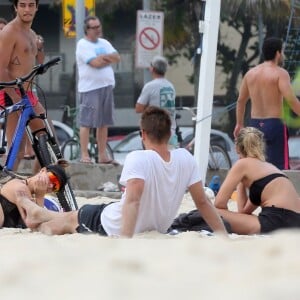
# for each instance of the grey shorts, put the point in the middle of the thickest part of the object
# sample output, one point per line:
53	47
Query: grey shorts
97	108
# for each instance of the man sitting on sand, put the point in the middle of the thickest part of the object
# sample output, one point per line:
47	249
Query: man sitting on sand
155	179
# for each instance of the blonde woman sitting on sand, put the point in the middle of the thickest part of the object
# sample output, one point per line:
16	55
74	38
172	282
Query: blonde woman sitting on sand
266	185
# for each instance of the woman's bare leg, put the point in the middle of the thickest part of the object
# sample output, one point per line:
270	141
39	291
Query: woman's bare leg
241	223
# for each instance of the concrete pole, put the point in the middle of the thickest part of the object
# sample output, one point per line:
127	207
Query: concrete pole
206	84
79	19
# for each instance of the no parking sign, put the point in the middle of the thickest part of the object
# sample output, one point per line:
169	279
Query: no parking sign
149	37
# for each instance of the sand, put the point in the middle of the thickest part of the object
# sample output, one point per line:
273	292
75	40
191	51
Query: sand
149	266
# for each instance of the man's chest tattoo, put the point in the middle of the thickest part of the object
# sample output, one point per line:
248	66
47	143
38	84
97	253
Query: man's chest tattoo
16	61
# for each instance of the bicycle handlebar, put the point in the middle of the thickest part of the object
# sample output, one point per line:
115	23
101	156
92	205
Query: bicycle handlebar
36	70
70	111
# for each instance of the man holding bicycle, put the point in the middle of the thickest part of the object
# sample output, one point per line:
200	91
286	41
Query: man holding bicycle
18	52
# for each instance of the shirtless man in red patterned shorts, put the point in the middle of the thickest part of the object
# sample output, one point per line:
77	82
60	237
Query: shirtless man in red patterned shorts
18	52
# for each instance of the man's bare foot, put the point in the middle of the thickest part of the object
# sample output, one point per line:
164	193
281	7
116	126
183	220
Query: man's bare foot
61	223
46	228
31	213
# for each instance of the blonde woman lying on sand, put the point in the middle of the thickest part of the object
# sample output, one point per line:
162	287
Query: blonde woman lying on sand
268	188
49	179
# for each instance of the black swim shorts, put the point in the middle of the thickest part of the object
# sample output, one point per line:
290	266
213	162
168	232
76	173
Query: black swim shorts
273	218
89	219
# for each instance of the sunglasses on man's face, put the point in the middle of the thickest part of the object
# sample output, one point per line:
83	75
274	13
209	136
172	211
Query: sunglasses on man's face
54	180
94	27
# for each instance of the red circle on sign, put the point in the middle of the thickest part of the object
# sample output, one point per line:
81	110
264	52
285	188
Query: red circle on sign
149	38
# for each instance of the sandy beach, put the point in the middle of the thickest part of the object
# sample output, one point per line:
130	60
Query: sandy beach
149	266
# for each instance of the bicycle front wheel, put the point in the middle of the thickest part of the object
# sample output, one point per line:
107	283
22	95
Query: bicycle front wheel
71	150
218	158
47	154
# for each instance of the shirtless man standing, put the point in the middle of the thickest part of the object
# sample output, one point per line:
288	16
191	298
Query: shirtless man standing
18	53
267	85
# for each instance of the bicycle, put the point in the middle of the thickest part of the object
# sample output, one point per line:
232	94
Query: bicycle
218	156
71	147
43	141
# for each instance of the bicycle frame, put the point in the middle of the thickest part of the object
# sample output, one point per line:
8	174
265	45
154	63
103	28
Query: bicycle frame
42	139
27	114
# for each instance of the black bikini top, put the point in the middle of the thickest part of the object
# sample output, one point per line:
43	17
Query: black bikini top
258	186
7	206
12	217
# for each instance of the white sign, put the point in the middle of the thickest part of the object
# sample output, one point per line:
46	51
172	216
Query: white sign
149	37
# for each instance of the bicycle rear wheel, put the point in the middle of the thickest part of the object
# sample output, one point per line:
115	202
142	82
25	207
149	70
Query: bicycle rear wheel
218	158
71	150
48	156
109	152
93	152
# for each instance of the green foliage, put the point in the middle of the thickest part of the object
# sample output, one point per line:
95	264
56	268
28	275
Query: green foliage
181	26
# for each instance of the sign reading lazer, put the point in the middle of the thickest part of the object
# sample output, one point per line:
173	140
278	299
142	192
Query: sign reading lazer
149	37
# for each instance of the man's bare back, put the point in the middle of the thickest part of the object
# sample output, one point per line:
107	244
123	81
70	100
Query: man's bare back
267	86
262	83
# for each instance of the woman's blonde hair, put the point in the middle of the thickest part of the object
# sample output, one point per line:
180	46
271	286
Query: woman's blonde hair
250	143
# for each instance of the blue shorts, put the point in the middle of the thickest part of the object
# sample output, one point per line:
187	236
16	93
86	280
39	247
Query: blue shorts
276	138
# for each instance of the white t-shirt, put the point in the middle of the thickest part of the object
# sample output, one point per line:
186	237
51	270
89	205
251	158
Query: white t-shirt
91	78
165	185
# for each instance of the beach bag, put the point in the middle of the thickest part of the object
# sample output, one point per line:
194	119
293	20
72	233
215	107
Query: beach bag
193	221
